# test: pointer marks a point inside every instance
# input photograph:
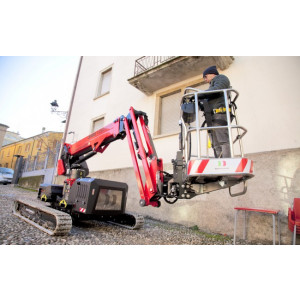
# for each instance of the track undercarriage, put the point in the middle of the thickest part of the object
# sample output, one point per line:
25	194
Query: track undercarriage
45	218
87	199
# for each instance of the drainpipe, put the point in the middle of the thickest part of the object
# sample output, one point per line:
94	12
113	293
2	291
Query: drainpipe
68	116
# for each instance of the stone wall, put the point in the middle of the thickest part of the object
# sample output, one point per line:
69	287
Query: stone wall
32	182
276	183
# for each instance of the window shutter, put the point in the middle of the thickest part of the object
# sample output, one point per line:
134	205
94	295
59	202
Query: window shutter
98	124
105	82
170	113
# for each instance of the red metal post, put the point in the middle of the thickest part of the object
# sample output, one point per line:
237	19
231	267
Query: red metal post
135	163
150	183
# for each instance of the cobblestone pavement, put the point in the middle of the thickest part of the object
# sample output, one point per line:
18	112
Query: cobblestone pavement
14	231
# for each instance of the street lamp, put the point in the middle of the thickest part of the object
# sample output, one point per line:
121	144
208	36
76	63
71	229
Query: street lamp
54	106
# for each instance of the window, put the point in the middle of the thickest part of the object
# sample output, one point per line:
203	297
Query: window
27	148
104	82
170	113
168	108
39	145
53	144
98	124
19	150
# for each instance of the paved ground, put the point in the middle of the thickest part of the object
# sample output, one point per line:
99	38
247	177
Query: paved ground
14	231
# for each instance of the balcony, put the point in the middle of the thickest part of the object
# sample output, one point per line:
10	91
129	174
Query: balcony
152	73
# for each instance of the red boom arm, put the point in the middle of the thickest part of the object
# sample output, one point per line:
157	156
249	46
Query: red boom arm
74	154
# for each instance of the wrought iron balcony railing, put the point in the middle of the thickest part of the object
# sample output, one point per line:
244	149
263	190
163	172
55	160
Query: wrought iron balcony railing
146	63
152	73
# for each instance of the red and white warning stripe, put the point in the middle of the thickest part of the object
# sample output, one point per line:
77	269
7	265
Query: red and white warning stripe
83	210
220	166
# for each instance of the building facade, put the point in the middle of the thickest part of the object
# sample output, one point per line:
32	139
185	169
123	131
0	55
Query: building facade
29	148
268	107
3	130
11	137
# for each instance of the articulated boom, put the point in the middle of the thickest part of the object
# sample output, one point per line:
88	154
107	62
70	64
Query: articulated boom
74	155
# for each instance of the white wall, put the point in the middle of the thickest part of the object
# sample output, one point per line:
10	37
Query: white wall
112	105
268	105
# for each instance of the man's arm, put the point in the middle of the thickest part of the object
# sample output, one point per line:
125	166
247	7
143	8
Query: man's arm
219	82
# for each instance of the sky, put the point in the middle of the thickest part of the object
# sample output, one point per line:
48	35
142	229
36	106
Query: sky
28	84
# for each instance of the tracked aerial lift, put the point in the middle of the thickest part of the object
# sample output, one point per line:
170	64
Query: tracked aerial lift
194	172
202	169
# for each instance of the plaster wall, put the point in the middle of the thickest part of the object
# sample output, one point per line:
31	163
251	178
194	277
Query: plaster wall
268	105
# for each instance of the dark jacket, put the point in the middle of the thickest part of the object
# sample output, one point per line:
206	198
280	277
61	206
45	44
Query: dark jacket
219	82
